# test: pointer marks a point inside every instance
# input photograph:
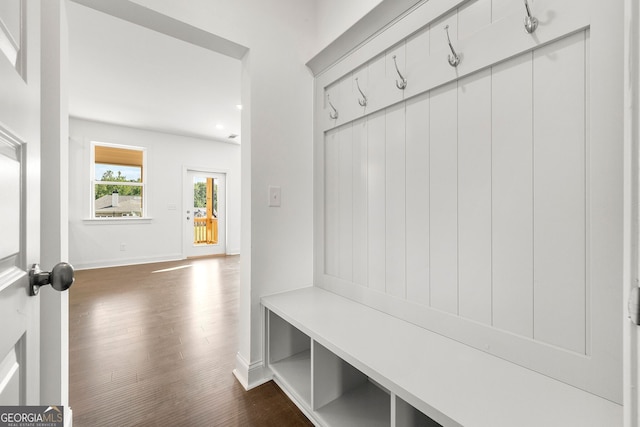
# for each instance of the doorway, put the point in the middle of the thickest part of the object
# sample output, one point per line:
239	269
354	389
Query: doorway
204	212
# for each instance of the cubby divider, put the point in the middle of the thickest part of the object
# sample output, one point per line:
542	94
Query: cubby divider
408	416
345	396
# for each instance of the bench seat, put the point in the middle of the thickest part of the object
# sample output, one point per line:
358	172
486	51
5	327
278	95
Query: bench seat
450	382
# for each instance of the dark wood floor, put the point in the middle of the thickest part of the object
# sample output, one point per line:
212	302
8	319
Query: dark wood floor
155	345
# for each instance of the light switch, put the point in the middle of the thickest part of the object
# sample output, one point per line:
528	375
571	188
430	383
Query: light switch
274	196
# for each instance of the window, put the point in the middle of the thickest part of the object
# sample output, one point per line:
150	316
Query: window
118	184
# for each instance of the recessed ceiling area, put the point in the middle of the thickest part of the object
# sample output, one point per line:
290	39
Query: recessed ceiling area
125	74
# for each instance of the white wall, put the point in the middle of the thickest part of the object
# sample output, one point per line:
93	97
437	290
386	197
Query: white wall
334	17
95	244
276	147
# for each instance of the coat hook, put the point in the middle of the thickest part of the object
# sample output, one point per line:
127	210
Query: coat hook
333	115
454	58
403	82
363	101
530	22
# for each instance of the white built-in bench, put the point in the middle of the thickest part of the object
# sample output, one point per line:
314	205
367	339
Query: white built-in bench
345	364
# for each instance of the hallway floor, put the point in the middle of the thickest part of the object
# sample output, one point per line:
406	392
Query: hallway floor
155	345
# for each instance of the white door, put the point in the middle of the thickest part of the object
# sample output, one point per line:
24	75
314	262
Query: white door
19	204
631	331
204	214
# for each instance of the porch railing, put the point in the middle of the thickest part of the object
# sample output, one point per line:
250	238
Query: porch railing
205	230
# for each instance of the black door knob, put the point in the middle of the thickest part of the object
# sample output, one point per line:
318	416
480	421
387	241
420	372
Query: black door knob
61	277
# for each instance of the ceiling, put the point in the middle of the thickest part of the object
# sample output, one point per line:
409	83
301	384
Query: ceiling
125	74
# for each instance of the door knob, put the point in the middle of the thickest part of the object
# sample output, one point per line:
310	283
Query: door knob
61	278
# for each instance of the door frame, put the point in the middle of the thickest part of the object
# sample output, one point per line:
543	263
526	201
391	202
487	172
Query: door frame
54	213
631	198
207	170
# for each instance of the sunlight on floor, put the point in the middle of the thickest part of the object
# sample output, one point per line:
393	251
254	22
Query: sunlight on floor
180	267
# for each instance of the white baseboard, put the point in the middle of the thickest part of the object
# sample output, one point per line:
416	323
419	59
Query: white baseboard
250	375
127	261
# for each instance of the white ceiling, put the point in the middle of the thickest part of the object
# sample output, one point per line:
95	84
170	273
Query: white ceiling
125	74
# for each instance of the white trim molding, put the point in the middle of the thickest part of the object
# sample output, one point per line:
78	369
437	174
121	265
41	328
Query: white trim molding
251	375
631	347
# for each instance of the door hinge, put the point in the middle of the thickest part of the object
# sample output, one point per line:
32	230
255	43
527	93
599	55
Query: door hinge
634	305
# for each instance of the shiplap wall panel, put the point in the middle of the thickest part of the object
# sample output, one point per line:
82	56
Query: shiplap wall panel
395	192
417	146
330	96
512	195
337	95
376	177
360	219
472	17
536	228
438	38
332	199
503	8
393	94
417	51
346	105
345	177
470	227
443	193
377	83
474	196
362	76
559	193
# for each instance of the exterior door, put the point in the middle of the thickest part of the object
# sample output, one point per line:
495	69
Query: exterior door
204	214
19	207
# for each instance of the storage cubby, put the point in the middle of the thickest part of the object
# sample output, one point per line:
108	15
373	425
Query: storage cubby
379	370
344	396
408	416
289	352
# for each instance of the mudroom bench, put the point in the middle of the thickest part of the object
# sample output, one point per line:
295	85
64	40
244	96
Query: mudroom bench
345	364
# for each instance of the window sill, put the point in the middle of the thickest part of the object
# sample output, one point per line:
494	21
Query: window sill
112	221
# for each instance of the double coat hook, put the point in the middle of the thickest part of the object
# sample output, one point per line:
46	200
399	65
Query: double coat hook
403	82
454	58
530	21
363	101
333	115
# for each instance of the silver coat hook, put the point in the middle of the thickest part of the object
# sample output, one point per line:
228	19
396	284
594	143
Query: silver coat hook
334	114
403	82
363	101
530	22
454	58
